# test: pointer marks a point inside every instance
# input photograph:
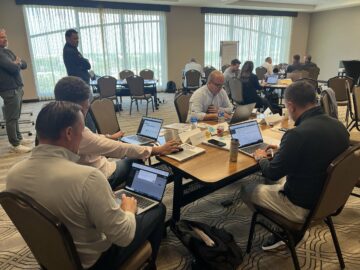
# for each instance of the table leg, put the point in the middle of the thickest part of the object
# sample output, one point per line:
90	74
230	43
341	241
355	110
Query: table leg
178	196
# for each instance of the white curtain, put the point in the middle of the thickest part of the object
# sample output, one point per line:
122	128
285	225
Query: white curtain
258	36
111	39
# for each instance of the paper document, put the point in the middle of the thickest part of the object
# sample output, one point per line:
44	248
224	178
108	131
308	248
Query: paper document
184	136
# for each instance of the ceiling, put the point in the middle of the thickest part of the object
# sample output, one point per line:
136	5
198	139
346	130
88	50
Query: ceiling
284	5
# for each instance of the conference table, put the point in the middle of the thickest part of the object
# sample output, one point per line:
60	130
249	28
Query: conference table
122	89
210	171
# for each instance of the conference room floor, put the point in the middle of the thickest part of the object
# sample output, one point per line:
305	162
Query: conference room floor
315	252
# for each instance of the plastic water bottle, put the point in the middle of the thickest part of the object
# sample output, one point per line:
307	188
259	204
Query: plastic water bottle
193	120
221	116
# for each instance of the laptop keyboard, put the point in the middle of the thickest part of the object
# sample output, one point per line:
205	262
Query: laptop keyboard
141	201
251	149
142	139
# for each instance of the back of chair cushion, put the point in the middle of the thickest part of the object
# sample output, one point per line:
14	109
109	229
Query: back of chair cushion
236	90
125	73
104	115
182	106
147	74
136	85
47	238
193	78
338	85
343	174
107	86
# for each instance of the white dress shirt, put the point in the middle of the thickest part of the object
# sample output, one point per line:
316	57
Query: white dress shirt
203	98
193	65
269	68
79	196
94	149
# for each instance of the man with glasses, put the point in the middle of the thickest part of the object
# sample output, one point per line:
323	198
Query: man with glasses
210	98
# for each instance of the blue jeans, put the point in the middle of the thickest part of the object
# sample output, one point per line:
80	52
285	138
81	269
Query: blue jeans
122	171
12	110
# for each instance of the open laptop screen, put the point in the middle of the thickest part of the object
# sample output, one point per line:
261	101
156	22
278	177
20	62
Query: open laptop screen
247	133
272	79
150	127
147	181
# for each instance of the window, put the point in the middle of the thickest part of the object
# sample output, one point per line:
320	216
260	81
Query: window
111	39
258	36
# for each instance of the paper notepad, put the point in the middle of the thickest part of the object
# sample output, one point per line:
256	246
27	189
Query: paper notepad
189	152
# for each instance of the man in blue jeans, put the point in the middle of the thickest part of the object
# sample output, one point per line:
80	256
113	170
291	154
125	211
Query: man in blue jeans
11	92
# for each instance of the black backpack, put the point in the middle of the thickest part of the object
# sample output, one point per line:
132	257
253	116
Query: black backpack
224	255
170	87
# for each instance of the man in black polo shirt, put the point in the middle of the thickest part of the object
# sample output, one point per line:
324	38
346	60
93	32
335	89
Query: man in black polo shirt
304	154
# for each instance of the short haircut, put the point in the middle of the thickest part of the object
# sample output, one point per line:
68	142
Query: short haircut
301	93
235	62
69	32
71	89
308	57
214	74
55	117
275	70
267	59
296	57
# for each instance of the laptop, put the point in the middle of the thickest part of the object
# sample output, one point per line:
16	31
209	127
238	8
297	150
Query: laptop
242	113
272	79
148	131
146	184
249	136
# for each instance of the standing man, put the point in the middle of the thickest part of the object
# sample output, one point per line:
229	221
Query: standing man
231	72
11	91
76	65
268	65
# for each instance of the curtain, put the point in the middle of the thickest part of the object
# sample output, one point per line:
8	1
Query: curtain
111	39
258	36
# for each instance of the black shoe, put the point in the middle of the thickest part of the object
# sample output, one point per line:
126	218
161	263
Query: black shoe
272	242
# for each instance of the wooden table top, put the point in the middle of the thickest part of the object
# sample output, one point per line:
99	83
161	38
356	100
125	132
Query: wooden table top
214	165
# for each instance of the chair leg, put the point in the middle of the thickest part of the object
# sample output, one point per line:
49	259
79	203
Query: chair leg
131	105
147	107
251	233
291	245
347	116
137	105
152	103
336	242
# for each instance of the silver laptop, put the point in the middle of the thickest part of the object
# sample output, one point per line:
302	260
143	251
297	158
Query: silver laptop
272	79
249	136
242	113
148	131
146	185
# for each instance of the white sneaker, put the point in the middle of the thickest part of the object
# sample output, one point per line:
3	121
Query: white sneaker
20	149
26	141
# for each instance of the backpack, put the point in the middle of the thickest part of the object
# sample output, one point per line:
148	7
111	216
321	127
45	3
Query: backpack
170	87
224	255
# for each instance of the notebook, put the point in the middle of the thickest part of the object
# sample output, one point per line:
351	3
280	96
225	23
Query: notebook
242	113
249	136
148	131
272	79
146	185
188	152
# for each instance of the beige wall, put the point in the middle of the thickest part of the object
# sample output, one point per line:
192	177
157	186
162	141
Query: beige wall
334	36
12	19
299	35
185	39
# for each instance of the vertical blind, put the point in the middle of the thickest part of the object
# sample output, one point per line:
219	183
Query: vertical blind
111	39
258	36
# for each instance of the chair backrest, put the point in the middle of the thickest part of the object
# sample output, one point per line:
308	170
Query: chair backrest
136	85
224	67
208	70
356	100
342	175
181	103
236	90
192	78
260	72
348	94
338	85
107	86
325	103
48	238
125	73
314	83
313	72
104	115
147	74
297	75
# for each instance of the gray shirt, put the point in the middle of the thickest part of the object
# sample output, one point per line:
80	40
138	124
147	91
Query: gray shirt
80	196
228	75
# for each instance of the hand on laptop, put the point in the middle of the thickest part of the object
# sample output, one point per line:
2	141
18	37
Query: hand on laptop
273	147
167	148
128	204
116	135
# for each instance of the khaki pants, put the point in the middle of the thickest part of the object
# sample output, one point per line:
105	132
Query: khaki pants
267	194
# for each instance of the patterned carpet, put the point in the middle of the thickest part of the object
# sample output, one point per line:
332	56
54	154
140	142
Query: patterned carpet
316	251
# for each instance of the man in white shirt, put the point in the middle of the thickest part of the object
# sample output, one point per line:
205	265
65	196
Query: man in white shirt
233	71
210	98
95	148
80	196
268	65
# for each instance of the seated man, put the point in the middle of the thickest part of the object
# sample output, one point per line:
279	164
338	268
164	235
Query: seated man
296	65
105	233
304	155
210	98
307	62
232	71
94	148
268	65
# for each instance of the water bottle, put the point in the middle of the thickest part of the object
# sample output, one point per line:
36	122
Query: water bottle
193	120
234	150
221	116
